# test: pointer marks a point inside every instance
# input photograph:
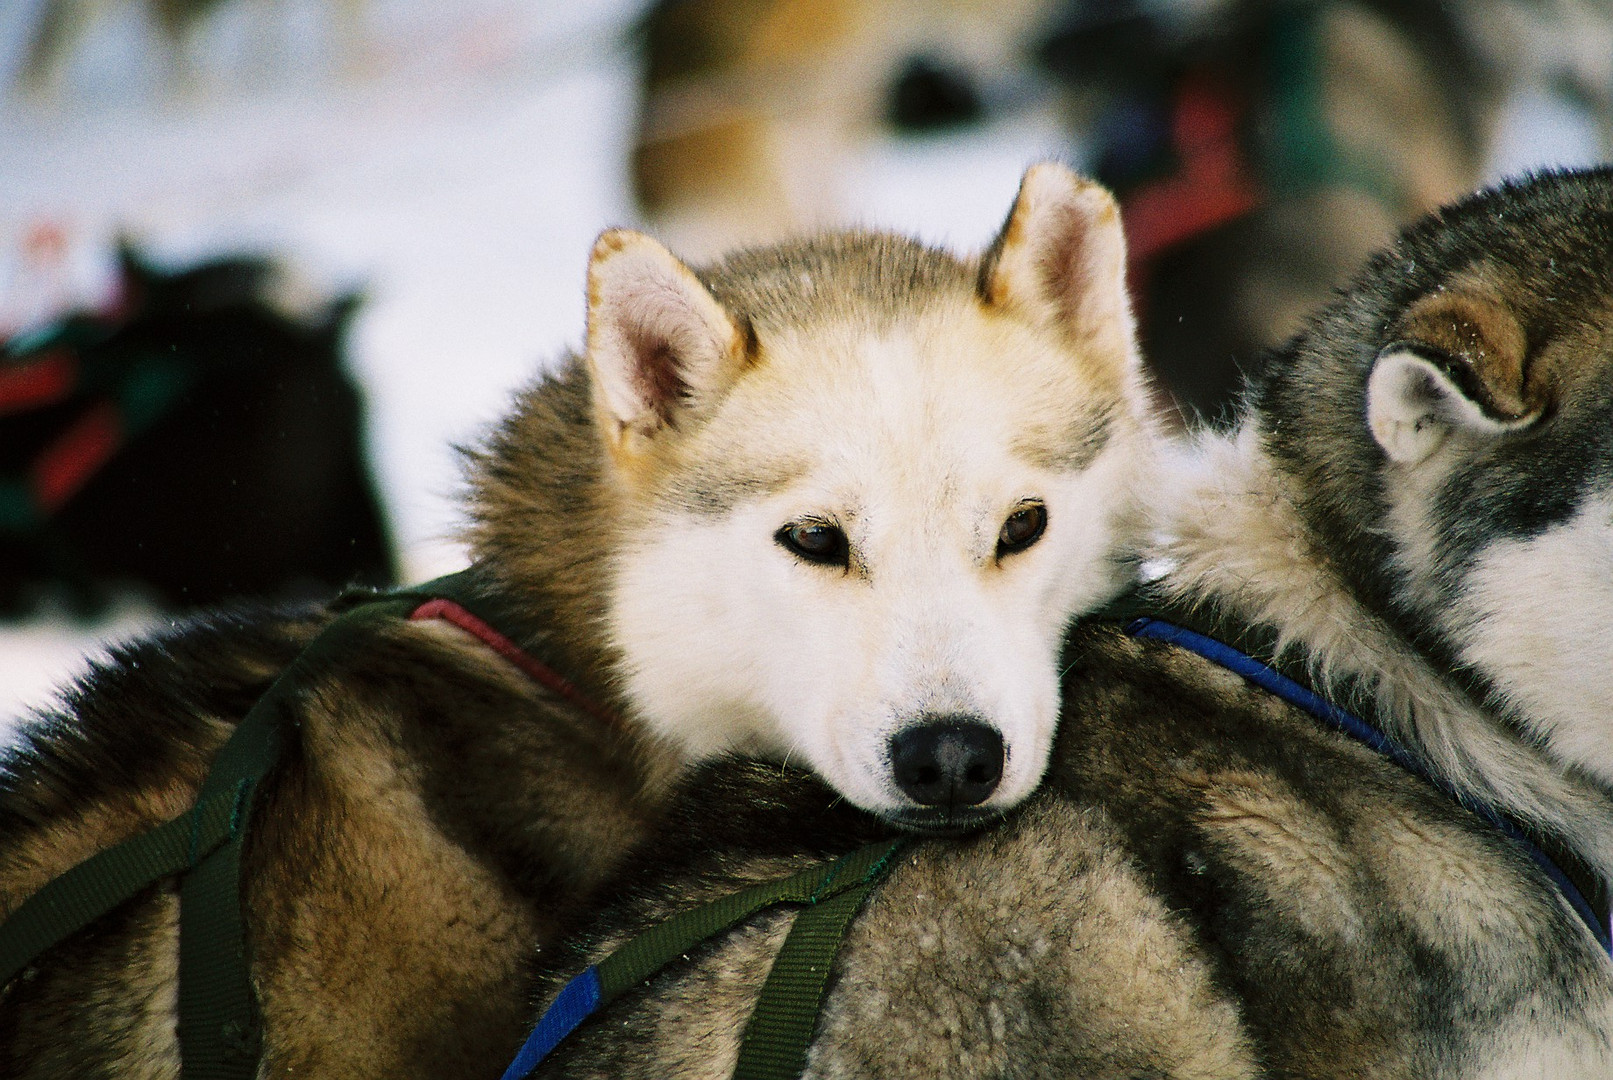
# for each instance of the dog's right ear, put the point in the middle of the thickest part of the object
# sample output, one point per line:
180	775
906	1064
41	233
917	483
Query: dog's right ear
1061	258
1457	366
660	346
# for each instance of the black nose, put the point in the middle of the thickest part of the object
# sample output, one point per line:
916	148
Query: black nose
949	763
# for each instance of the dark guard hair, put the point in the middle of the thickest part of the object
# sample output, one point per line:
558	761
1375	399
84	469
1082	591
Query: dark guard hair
1535	241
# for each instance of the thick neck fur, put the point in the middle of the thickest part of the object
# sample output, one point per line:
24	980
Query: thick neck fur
1233	535
542	512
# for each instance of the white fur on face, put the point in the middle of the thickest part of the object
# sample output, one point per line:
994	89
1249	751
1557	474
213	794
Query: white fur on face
913	445
1534	617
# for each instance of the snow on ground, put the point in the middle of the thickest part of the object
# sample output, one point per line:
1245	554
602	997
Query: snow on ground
455	161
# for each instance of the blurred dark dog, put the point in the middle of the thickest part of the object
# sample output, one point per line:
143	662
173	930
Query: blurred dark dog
1261	148
1260	157
196	445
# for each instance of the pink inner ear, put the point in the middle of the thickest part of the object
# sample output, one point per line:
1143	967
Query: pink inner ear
1064	265
656	371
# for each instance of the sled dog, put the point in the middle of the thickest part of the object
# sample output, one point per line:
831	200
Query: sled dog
1415	516
834	502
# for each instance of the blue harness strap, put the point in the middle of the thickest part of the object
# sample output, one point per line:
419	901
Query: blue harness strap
577	1001
1275	682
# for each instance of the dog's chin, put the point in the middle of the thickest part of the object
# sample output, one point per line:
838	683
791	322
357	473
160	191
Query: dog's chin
931	822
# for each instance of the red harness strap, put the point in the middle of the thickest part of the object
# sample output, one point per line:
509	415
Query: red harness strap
74	455
533	668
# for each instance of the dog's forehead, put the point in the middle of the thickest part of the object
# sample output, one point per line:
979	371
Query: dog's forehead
873	331
944	401
950	385
871	278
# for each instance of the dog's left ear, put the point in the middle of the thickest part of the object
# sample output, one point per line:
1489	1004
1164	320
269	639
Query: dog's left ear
1457	365
660	346
1061	257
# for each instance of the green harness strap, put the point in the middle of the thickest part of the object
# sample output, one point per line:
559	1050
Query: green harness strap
105	880
774	1046
786	1013
658	946
220	1035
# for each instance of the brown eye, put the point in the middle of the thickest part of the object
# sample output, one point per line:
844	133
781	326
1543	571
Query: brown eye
815	541
1022	529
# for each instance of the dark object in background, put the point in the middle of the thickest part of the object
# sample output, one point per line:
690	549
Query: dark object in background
1261	149
1259	155
198	445
61	23
930	94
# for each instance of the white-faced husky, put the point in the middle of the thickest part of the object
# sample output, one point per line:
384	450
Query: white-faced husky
850	493
834	502
1225	875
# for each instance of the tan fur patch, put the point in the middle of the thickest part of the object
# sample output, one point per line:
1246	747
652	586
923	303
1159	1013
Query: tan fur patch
1125	992
368	928
1282	838
1480	329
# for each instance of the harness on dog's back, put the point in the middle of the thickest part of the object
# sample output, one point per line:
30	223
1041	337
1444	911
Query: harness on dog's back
219	1030
1580	886
774	1046
786	1010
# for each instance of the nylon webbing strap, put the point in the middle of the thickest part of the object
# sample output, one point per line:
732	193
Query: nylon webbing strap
219	1031
218	1026
649	952
463	588
780	1029
109	878
654	949
1583	891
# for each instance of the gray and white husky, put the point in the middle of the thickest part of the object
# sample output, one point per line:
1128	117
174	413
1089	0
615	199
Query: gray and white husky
1416	515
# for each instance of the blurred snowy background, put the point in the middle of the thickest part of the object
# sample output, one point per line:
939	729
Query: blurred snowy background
454	161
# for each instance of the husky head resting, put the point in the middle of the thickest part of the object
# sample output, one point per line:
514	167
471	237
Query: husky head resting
1472	511
850	492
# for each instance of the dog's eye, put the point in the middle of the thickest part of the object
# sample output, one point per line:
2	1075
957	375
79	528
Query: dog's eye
1022	529
815	541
